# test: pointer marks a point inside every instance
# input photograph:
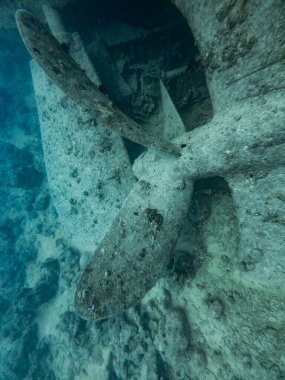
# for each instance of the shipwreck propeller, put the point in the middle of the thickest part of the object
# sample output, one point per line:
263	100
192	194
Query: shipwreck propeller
244	136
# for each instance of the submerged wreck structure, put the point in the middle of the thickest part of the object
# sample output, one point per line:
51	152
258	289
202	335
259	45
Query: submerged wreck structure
163	131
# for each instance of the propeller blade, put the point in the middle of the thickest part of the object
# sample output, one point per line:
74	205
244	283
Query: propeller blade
137	248
67	74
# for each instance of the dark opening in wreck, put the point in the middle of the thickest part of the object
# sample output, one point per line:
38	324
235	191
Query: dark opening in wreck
134	45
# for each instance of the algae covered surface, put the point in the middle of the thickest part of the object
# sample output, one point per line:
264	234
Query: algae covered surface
120	261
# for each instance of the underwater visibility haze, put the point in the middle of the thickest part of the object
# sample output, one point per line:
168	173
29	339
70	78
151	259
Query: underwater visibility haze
142	190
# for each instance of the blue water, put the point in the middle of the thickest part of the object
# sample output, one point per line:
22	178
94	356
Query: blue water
22	177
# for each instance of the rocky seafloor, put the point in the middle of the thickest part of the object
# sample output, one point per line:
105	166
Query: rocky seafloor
209	317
